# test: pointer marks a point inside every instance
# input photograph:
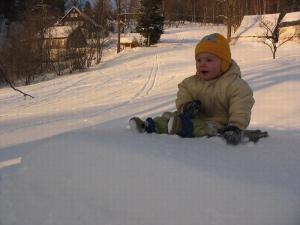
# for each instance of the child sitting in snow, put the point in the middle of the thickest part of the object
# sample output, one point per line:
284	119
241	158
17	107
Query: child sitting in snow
216	100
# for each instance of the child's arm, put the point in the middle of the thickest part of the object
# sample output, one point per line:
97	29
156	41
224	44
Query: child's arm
241	101
183	95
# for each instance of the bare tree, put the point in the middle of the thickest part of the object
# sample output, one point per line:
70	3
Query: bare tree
118	3
102	15
58	64
3	78
271	34
229	9
25	55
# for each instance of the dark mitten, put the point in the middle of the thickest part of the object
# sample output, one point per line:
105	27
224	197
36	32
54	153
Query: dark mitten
191	109
232	134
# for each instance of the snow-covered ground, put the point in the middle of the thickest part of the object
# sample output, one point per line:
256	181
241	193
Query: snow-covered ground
68	157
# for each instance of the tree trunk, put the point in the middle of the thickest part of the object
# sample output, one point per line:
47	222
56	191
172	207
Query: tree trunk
229	30
119	25
278	6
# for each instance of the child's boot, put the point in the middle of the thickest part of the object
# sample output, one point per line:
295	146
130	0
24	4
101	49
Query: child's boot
137	124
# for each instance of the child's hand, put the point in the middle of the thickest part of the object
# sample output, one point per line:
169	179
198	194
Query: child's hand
232	134
191	109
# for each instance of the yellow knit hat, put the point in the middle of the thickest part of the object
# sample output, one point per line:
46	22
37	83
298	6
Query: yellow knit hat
218	45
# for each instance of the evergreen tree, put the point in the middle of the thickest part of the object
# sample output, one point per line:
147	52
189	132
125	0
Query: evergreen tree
151	20
8	9
56	5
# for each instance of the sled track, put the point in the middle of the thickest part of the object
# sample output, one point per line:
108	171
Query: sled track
148	86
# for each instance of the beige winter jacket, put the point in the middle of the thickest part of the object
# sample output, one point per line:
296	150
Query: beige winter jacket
225	100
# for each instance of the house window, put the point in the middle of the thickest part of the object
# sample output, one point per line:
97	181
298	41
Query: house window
74	15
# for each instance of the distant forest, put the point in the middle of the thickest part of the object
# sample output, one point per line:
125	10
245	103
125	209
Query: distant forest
174	10
13	9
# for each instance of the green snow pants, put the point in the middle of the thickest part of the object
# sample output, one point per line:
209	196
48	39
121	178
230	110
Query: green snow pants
200	127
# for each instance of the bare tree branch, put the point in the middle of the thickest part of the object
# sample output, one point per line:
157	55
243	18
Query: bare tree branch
2	74
267	25
287	39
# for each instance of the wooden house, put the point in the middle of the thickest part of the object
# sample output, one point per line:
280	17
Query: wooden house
60	39
75	18
251	29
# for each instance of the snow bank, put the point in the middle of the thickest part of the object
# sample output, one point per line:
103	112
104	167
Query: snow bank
87	177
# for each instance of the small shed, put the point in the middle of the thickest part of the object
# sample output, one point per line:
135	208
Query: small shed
129	42
250	26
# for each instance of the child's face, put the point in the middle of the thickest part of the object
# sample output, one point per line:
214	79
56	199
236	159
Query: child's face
208	66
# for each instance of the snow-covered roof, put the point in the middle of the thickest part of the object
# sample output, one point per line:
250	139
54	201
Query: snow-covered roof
58	32
250	26
291	17
69	10
86	17
128	40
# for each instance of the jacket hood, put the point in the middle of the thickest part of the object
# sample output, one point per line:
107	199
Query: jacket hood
234	70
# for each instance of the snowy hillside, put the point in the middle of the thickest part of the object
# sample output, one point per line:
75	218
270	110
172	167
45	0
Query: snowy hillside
68	157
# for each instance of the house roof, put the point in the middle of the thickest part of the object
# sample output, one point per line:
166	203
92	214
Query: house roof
86	17
128	40
250	26
291	17
73	7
